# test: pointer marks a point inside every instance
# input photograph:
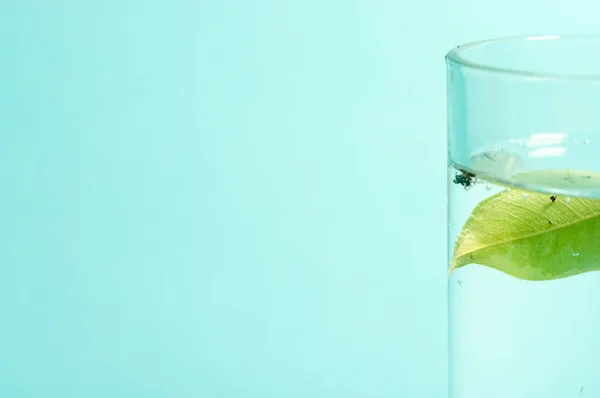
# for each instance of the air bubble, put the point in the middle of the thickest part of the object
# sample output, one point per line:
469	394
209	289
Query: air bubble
575	254
567	200
586	142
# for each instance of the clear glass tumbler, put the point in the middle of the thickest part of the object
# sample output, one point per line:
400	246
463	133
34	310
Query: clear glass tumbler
524	218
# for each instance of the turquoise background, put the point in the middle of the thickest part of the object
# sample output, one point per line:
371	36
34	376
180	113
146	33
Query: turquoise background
230	199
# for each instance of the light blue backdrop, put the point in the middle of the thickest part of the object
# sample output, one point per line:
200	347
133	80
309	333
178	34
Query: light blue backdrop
230	199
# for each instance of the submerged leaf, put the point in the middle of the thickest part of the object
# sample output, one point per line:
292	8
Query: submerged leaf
569	180
532	238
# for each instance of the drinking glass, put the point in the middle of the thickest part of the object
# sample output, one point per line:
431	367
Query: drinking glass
524	217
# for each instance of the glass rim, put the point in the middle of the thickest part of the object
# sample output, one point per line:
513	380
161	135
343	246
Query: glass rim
456	56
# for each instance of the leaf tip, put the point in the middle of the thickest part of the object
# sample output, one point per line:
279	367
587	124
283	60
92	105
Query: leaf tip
453	266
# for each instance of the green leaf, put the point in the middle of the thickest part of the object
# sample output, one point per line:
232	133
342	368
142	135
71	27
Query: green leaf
532	237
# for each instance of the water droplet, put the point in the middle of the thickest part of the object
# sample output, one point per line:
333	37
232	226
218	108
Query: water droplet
567	200
488	187
575	254
524	196
521	144
507	189
468	188
574	141
586	142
